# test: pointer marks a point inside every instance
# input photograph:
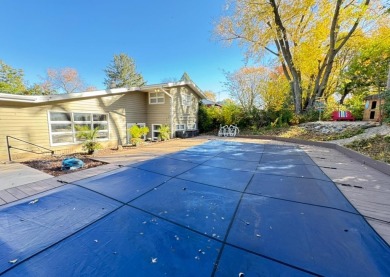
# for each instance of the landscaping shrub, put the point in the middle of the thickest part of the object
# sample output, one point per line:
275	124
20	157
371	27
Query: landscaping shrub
377	147
309	116
386	106
230	113
164	133
89	136
208	118
355	105
136	134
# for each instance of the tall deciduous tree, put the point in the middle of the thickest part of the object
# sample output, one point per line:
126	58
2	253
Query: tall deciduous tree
121	72
38	89
210	95
11	79
305	36
244	86
275	91
368	68
63	80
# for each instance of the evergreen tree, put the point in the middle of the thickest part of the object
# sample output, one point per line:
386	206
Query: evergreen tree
121	72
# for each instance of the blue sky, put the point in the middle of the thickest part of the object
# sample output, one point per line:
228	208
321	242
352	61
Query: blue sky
165	38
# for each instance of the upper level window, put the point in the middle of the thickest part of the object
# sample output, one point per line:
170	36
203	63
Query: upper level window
156	97
186	99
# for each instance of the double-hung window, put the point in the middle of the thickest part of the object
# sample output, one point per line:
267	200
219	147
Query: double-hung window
155	131
61	128
180	127
64	126
191	126
156	97
186	99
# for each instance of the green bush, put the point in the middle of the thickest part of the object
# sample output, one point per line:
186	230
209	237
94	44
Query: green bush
89	136
208	118
136	133
355	105
295	119
386	106
164	133
310	116
230	113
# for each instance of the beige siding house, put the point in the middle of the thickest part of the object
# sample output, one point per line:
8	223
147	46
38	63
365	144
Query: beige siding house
49	121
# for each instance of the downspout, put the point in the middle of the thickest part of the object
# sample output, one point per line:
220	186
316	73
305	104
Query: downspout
171	110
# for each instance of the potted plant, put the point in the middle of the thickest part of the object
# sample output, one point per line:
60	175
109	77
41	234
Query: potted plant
89	136
136	134
164	133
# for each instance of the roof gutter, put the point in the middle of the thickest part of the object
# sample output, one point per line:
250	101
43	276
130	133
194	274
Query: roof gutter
17	98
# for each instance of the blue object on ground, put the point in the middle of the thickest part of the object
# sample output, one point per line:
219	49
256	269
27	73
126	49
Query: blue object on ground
71	164
217	215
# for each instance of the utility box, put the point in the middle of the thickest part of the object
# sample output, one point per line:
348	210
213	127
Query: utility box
187	134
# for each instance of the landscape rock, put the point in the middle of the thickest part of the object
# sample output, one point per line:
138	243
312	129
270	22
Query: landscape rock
328	127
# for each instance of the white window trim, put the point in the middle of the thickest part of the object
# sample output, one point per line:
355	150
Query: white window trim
180	129
153	131
191	126
73	130
162	96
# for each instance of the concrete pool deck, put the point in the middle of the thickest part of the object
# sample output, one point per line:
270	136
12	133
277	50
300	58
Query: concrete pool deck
367	189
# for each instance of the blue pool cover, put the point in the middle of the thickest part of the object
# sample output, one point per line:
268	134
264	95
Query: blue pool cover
219	209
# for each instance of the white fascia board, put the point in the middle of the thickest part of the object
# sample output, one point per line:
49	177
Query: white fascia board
78	95
151	88
59	97
17	98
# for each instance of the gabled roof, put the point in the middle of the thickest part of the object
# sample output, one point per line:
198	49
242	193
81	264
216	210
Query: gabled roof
191	84
79	95
185	78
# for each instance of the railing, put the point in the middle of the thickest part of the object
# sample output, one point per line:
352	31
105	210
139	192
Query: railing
228	131
26	150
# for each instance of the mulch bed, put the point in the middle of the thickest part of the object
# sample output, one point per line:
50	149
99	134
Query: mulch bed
52	164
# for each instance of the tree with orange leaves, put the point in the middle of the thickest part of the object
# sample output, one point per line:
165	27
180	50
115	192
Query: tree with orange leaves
63	80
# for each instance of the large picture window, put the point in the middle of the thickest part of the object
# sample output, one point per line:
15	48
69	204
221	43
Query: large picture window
63	126
156	97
